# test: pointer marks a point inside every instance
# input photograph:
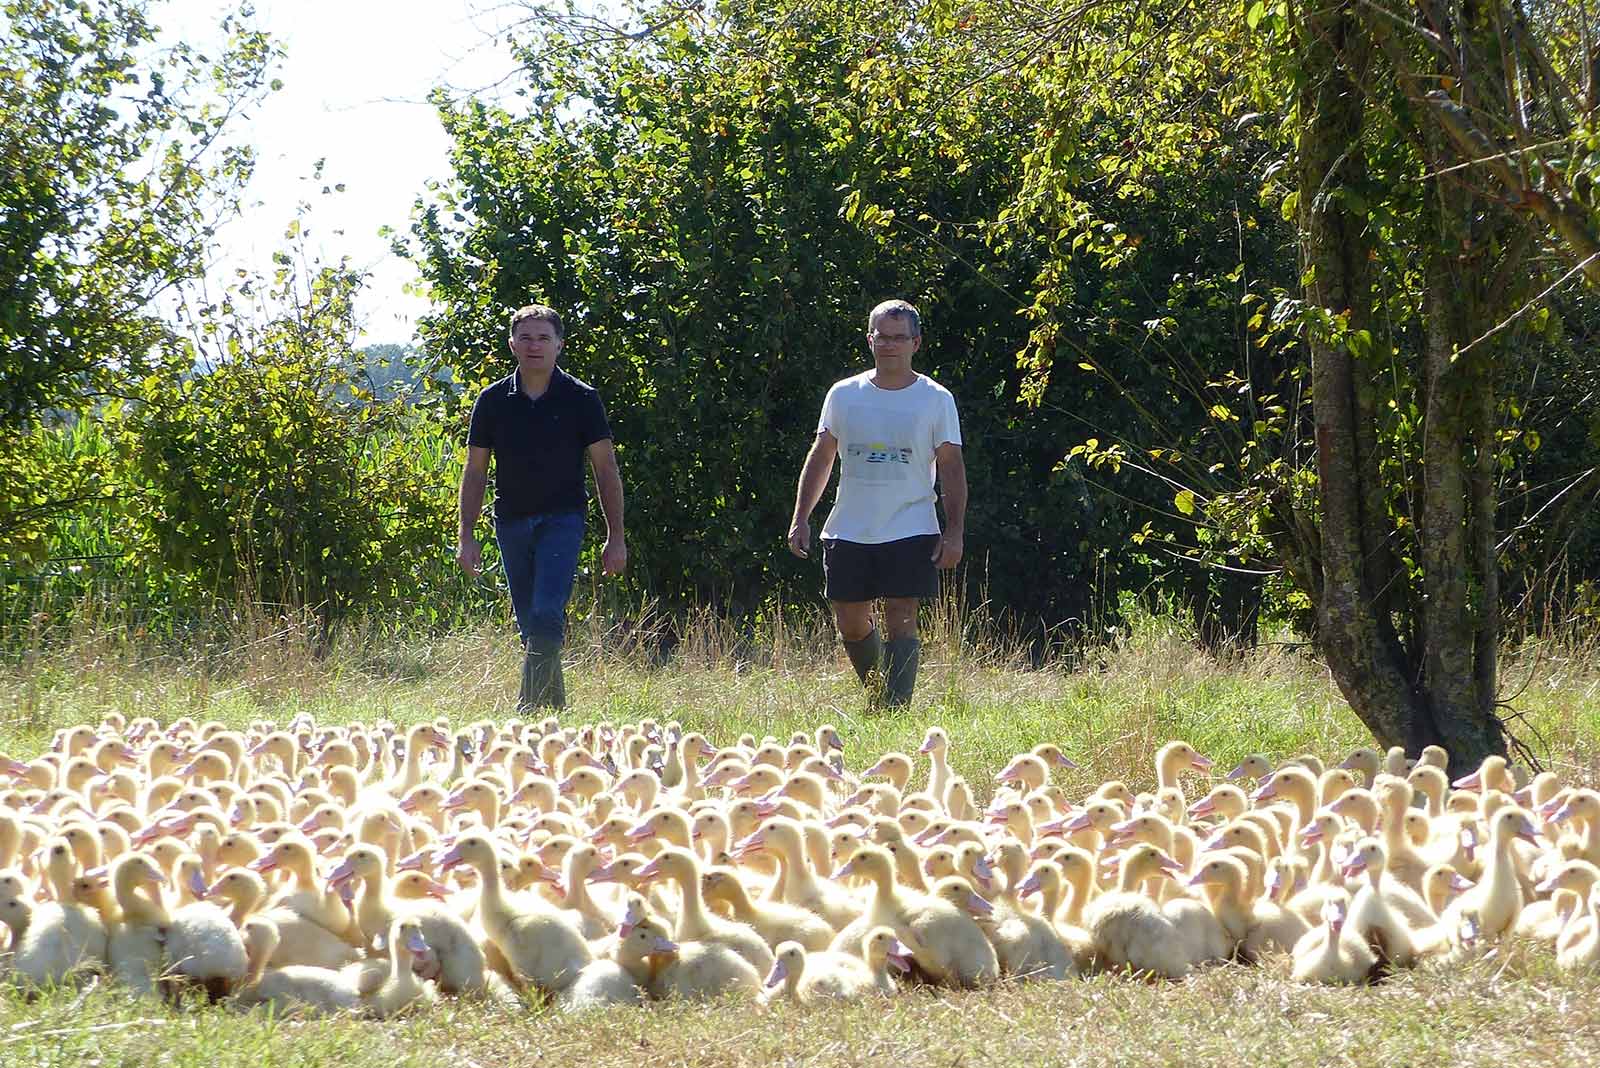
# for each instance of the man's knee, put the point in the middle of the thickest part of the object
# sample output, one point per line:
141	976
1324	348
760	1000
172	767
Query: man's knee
900	617
854	619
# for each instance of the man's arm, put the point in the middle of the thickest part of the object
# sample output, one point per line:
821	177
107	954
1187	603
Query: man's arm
608	483
953	481
474	481
814	476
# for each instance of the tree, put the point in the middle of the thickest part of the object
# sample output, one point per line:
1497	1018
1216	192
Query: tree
115	170
1380	501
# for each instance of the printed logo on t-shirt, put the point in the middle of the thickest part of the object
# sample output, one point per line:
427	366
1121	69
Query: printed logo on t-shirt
886	455
881	452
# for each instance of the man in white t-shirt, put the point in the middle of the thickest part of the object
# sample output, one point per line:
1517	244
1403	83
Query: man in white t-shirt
893	431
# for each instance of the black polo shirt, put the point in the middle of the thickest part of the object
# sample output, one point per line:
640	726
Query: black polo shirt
539	445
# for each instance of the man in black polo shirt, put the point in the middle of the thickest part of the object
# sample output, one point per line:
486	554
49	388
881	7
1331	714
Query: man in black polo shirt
538	423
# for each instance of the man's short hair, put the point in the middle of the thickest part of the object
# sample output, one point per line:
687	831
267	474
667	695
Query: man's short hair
539	312
897	307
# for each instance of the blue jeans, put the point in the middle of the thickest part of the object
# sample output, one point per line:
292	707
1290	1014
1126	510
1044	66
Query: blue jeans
540	553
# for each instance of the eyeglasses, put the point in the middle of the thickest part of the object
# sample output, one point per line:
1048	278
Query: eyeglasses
896	338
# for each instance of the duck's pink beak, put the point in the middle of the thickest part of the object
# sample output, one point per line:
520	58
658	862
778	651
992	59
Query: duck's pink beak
1030	885
847	869
1080	822
1552	806
1205	806
451	858
1266	791
1469	782
1238	772
899	956
662	945
779	972
343	873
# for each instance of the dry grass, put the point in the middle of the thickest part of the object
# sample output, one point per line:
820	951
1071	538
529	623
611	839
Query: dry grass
1511	1008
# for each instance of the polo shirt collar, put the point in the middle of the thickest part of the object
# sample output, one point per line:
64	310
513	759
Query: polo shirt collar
516	380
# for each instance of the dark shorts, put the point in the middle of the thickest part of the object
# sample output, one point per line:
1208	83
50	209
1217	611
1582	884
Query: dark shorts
854	571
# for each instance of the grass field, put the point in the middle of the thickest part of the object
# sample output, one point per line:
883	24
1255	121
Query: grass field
1110	713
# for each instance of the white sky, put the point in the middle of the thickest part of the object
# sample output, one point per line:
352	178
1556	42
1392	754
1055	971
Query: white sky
356	79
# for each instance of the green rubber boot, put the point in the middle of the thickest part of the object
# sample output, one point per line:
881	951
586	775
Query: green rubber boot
866	654
542	684
900	670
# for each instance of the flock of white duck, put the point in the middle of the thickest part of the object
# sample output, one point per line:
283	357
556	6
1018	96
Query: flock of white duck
364	869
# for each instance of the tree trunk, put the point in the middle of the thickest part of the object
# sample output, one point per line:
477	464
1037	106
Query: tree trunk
1464	296
1354	630
1435	683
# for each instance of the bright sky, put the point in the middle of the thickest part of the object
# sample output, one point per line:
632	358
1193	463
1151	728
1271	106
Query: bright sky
356	80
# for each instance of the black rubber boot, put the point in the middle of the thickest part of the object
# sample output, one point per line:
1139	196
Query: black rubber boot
900	670
542	684
865	654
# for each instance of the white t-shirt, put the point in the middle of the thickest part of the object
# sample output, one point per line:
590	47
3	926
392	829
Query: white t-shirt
887	439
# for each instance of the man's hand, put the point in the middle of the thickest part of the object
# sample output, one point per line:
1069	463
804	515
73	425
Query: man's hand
613	556
469	555
947	553
800	539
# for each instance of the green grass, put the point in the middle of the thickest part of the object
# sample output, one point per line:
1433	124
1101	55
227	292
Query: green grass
1111	714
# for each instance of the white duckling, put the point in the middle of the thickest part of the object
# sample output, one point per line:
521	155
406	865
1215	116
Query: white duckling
1497	897
1173	759
696	923
1376	916
811	977
307	896
1129	930
936	747
401	990
1223	879
203	946
797	883
1543	919
1028	945
945	942
542	945
1579	946
296	989
695	971
61	939
1326	954
775	921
